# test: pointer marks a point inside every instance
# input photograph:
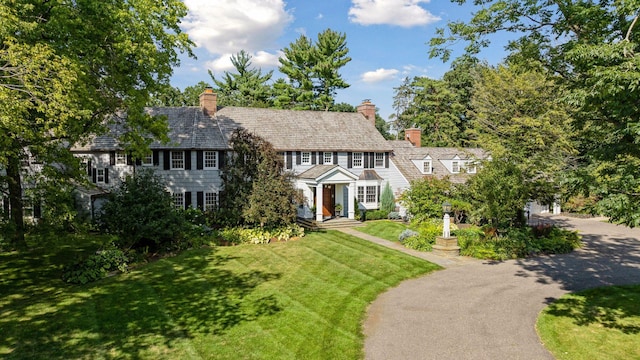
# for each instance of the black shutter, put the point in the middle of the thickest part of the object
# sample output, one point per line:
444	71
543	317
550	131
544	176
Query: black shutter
298	158
106	176
378	193
156	158
221	159
349	160
166	159
313	158
365	161
289	160
187	199
199	160
320	157
187	160
5	204
386	160
112	157
200	200
89	172
372	160
129	159
138	162
93	175
335	157
37	210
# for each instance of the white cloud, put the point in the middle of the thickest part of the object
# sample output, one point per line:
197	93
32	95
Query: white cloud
228	26
260	59
379	75
319	17
405	13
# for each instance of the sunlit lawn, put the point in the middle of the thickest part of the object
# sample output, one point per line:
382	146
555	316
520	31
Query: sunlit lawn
602	323
303	299
385	229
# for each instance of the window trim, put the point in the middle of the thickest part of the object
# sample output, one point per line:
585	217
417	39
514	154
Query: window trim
214	204
330	157
376	160
425	162
144	162
455	164
215	160
171	160
120	159
178	200
98	181
354	160
306	161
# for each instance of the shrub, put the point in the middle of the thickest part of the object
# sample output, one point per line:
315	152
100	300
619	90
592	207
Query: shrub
237	236
95	267
376	214
387	200
407	233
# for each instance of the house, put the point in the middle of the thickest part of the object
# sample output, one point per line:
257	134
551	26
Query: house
337	158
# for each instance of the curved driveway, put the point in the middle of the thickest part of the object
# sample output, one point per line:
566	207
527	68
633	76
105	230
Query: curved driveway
488	310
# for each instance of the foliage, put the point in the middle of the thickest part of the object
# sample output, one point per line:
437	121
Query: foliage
592	48
66	65
171	96
407	233
387	200
95	267
141	212
247	87
427	230
516	242
312	70
376	215
425	197
590	316
237	235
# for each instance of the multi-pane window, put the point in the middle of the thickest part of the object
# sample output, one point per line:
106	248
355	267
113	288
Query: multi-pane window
121	158
210	201
372	194
360	194
147	160
357	159
306	158
426	167
177	160
455	167
379	160
210	159
178	200
471	168
327	158
100	175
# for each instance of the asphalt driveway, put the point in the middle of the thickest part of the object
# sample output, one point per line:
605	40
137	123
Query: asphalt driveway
488	310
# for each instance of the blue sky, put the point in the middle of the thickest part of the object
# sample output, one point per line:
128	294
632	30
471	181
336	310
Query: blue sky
387	39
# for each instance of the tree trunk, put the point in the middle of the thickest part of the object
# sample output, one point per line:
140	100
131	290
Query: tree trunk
15	203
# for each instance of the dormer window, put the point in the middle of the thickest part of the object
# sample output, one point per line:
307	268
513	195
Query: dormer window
121	158
426	167
471	168
455	167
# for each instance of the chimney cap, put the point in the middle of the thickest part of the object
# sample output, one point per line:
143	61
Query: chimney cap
208	90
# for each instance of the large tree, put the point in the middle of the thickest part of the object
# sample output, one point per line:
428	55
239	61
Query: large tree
246	87
313	71
65	66
594	49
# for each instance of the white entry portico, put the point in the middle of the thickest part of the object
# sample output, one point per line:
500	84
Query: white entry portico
325	186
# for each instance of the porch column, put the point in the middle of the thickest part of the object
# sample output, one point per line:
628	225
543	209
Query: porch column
319	194
351	194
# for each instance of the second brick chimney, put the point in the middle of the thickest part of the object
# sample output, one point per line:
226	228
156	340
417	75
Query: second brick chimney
414	136
368	110
209	101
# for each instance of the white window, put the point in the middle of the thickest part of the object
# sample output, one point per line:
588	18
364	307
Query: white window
210	160
372	194
178	200
357	160
426	167
379	160
471	168
121	158
177	160
360	194
210	201
455	167
306	158
100	175
147	160
327	158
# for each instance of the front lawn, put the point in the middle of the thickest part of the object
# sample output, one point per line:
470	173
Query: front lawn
602	323
385	229
299	299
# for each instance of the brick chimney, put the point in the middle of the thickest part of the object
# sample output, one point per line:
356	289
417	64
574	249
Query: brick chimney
209	101
413	135
368	110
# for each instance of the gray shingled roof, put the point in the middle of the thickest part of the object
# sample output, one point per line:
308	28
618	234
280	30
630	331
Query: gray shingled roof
286	129
404	152
369	175
305	130
317	171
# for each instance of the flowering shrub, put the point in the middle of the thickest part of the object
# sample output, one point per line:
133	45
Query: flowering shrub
238	236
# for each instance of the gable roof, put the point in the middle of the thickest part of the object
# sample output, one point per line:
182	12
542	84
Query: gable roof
286	130
404	152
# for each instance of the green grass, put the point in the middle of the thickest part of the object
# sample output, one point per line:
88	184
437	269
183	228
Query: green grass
303	299
385	229
602	323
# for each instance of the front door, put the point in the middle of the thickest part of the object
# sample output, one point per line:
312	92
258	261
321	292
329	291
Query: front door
328	200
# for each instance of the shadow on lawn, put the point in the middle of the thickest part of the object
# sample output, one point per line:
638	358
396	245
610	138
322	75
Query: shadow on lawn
146	313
